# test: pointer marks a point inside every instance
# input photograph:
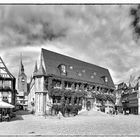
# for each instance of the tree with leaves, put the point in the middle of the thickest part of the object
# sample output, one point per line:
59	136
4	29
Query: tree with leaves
135	14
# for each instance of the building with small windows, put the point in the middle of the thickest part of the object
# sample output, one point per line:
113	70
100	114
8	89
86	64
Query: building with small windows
120	89
7	85
130	96
76	82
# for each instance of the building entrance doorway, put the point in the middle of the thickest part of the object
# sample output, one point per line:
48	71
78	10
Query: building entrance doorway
88	105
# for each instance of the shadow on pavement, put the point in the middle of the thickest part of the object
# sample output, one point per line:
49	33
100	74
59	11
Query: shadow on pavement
92	113
22	112
18	117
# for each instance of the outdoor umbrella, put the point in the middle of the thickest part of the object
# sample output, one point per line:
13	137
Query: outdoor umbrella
5	105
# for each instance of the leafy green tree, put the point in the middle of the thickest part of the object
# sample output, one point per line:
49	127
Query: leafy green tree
62	100
135	14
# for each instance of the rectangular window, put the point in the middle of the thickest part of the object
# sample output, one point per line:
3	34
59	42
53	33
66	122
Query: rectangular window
1	84
106	79
6	83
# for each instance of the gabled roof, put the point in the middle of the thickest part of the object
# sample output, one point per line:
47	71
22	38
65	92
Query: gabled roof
4	72
76	69
40	71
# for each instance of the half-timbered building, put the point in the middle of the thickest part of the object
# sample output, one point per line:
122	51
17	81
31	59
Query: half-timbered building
7	84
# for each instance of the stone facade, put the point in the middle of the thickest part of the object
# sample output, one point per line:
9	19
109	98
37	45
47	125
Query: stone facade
47	88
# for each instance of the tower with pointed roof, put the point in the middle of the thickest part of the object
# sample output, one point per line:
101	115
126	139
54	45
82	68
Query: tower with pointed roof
22	84
38	82
22	79
35	69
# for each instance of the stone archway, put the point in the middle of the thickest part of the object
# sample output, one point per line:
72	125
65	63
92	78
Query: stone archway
88	105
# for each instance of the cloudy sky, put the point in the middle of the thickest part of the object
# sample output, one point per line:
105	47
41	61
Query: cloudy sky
99	34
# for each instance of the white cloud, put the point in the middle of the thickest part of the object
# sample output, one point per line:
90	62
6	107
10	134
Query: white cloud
97	34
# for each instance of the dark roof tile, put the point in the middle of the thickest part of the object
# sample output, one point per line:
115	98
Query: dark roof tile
52	60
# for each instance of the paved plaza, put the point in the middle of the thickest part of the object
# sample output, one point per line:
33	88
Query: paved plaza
90	123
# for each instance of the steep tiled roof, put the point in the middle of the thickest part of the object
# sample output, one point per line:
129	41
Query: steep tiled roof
35	69
4	72
76	69
40	71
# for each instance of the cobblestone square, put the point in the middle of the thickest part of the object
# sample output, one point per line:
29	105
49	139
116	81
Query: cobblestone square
90	123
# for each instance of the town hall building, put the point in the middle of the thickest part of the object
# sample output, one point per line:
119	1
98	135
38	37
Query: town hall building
77	82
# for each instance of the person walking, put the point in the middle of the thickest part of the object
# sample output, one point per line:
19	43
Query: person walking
59	115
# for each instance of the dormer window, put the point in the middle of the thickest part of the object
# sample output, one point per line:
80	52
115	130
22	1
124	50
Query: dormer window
71	67
62	69
83	71
79	74
105	78
92	76
95	73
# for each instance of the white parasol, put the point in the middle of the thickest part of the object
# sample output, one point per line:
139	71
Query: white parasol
5	105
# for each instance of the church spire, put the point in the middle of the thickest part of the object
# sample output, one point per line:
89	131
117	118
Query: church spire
21	68
35	69
22	79
41	70
31	78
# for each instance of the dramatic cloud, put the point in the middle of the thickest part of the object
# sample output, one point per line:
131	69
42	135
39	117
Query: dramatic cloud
98	34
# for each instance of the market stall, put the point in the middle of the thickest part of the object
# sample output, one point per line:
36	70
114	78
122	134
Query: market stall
5	110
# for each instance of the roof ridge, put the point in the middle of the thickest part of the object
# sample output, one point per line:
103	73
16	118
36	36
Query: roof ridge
53	59
74	58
